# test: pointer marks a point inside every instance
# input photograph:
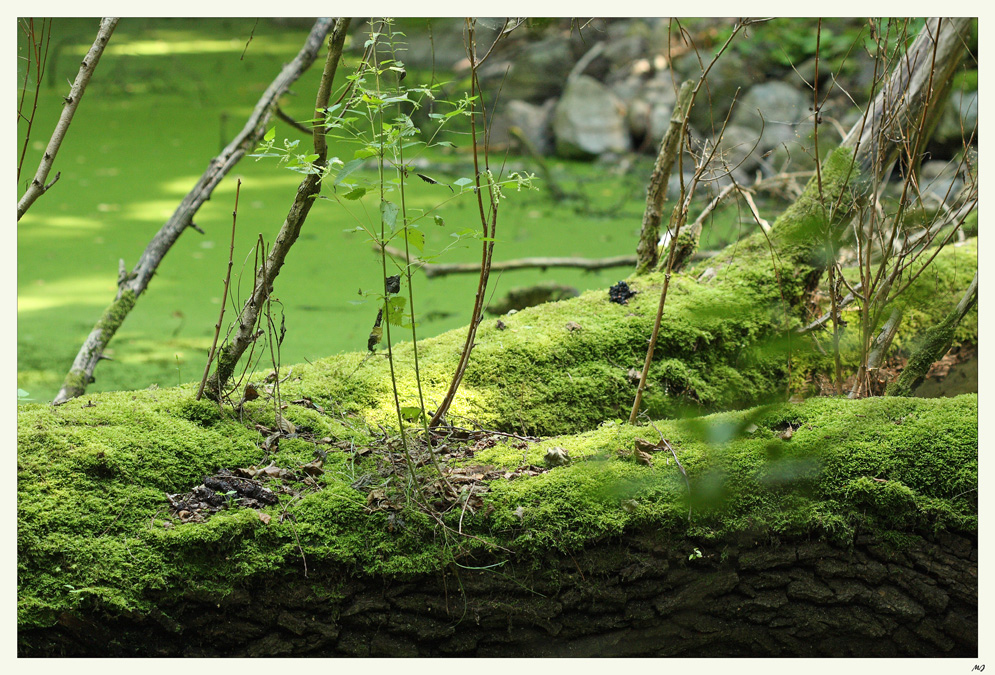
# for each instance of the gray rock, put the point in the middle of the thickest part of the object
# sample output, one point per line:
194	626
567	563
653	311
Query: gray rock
779	109
533	120
939	183
725	77
589	120
534	73
736	151
959	119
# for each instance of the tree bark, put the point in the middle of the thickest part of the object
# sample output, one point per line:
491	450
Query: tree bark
38	187
133	284
647	251
638	596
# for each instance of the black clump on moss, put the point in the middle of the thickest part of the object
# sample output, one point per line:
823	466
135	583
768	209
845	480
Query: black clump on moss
620	293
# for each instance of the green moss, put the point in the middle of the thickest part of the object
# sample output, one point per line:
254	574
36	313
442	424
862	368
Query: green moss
115	315
92	481
925	306
796	245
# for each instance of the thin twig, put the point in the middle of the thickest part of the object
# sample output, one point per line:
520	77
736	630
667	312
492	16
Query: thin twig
224	296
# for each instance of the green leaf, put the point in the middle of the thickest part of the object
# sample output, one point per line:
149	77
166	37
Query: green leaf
388	212
462	181
439	221
270	135
395	310
347	169
415	237
410	413
354	194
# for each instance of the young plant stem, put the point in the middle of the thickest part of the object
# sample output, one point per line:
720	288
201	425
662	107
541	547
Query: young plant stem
412	475
224	296
414	335
656	324
488	238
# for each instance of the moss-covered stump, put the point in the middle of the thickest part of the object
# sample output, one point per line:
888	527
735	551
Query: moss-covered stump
832	527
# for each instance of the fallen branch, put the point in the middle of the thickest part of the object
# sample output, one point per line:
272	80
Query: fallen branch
132	285
442	269
38	187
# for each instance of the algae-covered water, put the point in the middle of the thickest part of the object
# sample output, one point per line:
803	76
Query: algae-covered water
165	97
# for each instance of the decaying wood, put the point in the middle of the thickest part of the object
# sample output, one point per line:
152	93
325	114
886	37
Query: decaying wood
38	186
133	284
916	87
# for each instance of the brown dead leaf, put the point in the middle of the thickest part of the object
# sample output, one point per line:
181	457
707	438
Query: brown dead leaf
644	458
573	326
313	468
642	445
285	425
265	517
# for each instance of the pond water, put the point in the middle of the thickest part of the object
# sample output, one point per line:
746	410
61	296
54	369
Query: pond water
164	98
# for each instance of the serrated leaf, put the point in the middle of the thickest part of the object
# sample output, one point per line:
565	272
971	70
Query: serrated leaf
388	212
354	194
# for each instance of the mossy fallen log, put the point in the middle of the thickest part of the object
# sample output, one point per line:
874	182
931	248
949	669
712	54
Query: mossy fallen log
885	490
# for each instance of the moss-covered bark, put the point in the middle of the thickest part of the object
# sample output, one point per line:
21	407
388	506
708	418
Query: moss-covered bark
744	596
95	543
79	378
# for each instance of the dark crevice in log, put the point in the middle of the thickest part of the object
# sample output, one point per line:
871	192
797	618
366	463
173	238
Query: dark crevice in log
632	597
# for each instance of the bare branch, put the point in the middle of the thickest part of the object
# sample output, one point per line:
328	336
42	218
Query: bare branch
37	187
